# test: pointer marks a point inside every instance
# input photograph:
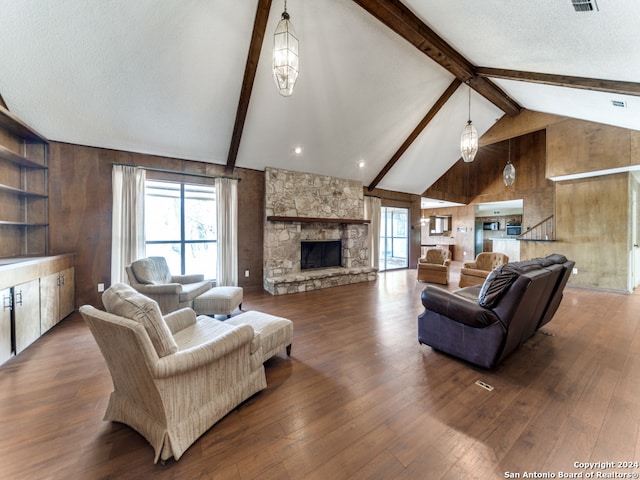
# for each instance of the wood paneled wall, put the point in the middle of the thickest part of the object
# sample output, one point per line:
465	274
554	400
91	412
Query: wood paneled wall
576	146
80	211
481	181
592	215
592	229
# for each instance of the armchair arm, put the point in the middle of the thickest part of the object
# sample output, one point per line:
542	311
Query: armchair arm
473	265
204	354
457	308
180	319
164	289
197	277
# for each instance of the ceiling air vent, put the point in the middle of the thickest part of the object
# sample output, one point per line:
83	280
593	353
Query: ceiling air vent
584	5
619	103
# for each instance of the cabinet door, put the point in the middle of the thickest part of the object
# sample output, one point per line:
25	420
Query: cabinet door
26	305
49	301
5	326
67	291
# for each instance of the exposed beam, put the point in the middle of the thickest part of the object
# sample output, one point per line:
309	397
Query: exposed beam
416	131
259	27
405	23
600	85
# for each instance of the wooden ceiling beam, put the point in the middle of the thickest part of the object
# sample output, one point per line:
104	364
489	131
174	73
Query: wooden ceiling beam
600	85
416	131
395	15
257	36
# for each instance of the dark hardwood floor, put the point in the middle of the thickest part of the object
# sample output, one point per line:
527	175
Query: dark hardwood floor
359	398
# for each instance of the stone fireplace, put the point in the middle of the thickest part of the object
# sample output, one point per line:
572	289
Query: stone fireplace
303	207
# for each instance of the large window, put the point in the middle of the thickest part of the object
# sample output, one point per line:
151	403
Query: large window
180	225
394	238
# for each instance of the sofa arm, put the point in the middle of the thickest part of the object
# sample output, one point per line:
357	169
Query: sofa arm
180	319
204	354
194	278
457	308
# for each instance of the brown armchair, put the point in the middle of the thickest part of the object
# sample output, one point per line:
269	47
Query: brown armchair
434	266
475	273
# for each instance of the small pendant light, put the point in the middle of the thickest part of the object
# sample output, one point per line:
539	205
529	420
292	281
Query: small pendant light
469	138
509	172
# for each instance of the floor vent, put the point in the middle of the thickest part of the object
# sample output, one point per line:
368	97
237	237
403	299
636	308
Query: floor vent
584	5
484	385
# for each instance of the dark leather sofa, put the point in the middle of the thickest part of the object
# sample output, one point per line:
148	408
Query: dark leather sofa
483	324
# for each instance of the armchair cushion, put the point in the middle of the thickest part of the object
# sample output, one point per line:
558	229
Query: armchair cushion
152	271
124	301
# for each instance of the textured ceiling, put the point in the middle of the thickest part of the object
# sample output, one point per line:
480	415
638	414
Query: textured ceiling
165	78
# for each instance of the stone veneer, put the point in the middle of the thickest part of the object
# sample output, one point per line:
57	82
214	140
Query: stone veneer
296	194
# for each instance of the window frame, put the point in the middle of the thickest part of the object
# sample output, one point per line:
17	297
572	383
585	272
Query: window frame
182	242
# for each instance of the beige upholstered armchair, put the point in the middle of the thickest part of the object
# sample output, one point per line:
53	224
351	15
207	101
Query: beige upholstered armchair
151	277
434	266
173	377
475	273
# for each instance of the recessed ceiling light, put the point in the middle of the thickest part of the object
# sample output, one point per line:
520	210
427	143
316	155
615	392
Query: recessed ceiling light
361	164
298	150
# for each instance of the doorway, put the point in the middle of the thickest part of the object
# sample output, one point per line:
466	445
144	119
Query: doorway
394	238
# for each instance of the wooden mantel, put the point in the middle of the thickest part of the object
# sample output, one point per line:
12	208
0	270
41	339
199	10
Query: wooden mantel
275	218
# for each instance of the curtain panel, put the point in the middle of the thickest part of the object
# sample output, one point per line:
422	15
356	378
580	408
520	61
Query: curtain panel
372	207
227	231
127	221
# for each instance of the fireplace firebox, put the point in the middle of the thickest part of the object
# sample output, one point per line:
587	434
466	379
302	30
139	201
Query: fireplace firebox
320	254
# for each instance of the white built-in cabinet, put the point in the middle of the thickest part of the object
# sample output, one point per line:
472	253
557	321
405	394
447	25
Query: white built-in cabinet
26	313
6	344
37	293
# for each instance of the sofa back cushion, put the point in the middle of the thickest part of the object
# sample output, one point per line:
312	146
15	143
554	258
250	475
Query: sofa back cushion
122	300
151	271
496	284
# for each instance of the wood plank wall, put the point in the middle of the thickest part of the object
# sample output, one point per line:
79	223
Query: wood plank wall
481	181
80	211
592	214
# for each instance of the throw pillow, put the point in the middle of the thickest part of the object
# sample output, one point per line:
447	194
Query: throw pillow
496	284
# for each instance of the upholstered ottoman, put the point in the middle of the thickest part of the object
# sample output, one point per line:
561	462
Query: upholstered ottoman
218	301
276	333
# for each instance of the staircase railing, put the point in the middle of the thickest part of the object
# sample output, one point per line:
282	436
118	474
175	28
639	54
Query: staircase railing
544	231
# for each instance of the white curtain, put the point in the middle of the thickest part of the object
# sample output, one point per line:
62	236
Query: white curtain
127	222
372	206
227	230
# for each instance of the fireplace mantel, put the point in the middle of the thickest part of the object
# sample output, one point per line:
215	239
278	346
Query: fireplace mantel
275	218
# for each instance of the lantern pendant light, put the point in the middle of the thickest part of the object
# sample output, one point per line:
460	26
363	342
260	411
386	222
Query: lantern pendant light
469	138
509	172
285	55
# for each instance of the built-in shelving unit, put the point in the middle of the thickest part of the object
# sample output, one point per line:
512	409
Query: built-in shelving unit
23	189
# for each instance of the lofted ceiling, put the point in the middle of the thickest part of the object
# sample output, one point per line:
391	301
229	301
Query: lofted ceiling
166	77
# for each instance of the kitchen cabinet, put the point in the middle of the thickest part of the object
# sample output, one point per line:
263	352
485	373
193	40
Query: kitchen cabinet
26	313
56	298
